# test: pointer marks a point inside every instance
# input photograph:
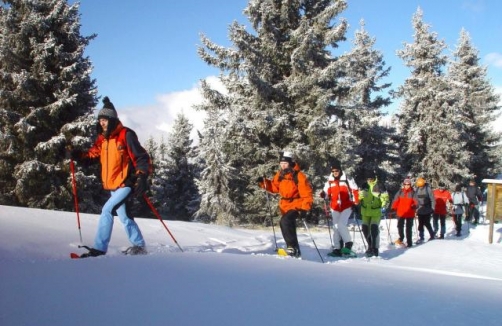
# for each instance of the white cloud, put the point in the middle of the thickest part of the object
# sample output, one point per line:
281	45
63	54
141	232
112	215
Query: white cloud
157	120
494	59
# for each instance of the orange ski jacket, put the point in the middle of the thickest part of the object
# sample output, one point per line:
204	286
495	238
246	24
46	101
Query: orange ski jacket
121	156
295	195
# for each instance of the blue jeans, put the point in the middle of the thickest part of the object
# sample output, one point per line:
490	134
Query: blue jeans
105	225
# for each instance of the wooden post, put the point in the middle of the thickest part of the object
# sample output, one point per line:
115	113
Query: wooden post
493	206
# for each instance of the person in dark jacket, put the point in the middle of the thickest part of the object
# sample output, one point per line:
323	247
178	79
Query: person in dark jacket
425	208
125	165
475	197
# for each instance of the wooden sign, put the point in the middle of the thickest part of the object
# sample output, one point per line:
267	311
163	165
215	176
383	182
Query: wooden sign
493	204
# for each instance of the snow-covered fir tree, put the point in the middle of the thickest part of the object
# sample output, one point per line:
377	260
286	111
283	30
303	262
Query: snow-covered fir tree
180	192
46	102
476	111
371	145
283	89
430	144
217	202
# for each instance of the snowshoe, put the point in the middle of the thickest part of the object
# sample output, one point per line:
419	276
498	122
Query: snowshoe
135	250
346	252
282	252
293	252
335	253
92	253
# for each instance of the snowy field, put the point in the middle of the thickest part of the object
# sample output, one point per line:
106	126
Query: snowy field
230	277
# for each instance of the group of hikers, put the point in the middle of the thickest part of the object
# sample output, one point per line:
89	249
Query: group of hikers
372	199
125	166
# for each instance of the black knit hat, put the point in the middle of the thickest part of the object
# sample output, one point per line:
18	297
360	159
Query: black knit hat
108	111
369	174
335	164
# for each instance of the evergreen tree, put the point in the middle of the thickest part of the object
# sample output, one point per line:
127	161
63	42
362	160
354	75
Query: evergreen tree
477	109
371	146
160	177
46	99
284	90
217	203
430	145
180	190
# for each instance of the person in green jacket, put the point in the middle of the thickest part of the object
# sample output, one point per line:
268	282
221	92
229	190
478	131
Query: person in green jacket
374	200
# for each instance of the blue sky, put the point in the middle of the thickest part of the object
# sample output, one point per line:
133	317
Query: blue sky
145	54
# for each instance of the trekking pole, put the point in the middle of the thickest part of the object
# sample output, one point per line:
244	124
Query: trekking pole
388	224
160	219
328	218
271	220
311	237
360	232
75	198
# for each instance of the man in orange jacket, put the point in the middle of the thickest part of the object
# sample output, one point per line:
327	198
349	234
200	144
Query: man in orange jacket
296	198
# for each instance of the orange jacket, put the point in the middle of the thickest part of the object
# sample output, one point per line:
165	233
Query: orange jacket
293	196
404	203
121	157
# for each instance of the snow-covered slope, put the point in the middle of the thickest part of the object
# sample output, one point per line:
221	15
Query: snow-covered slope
229	277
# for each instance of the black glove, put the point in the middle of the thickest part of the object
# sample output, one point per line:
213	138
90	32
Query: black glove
322	194
75	154
303	214
141	185
260	179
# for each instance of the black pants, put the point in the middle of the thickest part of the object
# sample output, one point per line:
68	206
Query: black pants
425	221
439	220
288	228
409	229
473	213
457	219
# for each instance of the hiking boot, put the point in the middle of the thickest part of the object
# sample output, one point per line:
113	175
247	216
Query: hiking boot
399	242
369	252
375	252
335	253
458	234
419	241
293	252
346	252
135	250
93	253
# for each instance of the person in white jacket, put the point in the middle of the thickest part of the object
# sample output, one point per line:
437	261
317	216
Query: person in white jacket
342	192
460	201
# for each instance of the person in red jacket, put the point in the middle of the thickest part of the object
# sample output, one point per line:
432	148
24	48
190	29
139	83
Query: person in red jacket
296	198
442	197
405	205
343	194
125	166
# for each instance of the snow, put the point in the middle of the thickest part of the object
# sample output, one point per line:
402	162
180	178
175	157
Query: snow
228	276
